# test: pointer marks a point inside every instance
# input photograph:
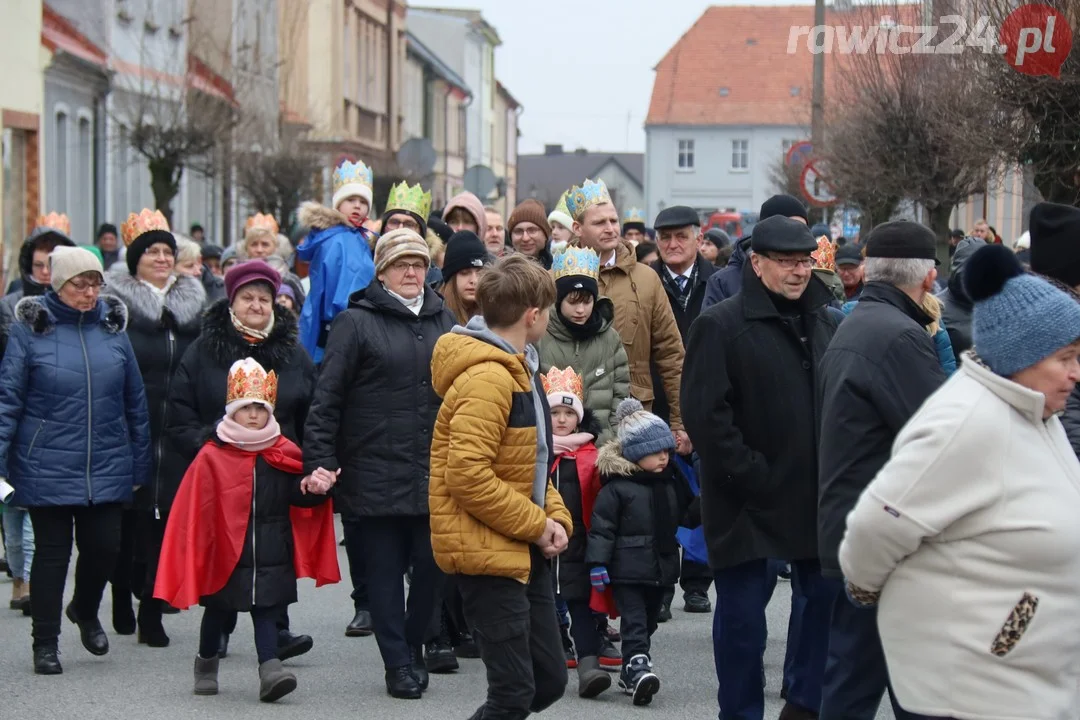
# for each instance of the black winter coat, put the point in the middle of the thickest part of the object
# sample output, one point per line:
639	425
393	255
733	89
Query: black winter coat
197	396
159	334
374	408
880	367
628	536
752	413
265	574
572	572
684	318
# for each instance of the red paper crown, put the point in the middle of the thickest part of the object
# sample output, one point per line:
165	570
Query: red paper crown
825	255
258	221
144	222
563	381
248	381
55	221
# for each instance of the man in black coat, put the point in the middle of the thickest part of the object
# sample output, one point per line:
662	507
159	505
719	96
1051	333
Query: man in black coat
956	305
880	367
684	273
752	413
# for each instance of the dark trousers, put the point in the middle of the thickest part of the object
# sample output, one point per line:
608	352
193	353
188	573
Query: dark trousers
856	677
694	576
639	607
216	621
124	577
583	628
354	551
518	633
739	633
96	531
398	542
447	616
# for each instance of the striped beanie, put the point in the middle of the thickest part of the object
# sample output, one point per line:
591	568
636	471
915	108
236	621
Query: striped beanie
640	432
397	244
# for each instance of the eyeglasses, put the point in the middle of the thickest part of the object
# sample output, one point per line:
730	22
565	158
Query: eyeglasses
399	221
792	263
404	267
519	233
160	252
84	285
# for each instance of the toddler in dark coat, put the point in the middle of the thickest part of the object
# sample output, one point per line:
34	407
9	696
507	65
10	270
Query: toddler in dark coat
243	527
643	499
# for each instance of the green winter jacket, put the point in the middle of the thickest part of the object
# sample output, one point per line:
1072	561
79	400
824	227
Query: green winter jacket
601	361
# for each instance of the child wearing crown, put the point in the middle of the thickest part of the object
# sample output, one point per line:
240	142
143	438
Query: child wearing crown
338	250
573	474
243	527
582	335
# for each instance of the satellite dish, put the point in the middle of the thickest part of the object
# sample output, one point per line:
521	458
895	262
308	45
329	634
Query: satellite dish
416	158
480	180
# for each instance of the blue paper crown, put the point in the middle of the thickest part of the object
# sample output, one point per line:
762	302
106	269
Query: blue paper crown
634	215
352	173
590	193
576	261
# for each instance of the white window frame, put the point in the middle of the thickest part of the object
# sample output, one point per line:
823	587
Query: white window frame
684	155
740	149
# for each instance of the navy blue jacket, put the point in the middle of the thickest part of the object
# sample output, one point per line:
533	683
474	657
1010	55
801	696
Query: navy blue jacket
74	428
727	281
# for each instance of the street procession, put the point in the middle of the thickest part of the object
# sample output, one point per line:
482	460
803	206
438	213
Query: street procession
336	377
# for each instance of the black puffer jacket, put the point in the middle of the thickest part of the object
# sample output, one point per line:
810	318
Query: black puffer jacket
957	307
628	536
374	408
25	285
159	336
267	558
572	571
197	396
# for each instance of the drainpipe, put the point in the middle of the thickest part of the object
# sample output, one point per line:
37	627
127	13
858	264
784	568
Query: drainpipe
391	116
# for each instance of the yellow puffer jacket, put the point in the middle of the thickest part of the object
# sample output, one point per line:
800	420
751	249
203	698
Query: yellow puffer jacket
483	461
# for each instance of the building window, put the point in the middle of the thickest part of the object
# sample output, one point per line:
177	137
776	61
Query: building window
120	173
686	154
61	176
740	154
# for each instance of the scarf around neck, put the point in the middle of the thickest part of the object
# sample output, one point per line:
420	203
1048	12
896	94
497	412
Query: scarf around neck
587	330
413	305
247	439
252	335
572	442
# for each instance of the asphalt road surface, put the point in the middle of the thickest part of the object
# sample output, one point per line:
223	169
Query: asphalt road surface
341	677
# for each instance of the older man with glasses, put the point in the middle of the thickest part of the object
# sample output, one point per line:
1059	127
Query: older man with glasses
749	404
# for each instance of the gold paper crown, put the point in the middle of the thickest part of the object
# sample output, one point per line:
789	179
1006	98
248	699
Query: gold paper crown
564	381
258	221
576	261
589	193
248	381
410	199
634	215
55	221
353	173
144	222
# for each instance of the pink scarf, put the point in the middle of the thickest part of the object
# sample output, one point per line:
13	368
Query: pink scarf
247	439
572	442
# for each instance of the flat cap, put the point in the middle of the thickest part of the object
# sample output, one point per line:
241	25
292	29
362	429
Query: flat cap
902	239
783	235
849	255
676	216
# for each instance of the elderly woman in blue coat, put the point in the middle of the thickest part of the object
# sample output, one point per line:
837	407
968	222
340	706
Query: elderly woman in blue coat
74	441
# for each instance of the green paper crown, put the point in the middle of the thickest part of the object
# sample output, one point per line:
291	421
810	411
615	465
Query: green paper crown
410	199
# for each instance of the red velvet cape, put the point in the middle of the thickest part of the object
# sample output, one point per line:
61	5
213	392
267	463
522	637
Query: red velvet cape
589	482
208	524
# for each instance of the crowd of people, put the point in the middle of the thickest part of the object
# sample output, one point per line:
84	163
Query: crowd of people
551	421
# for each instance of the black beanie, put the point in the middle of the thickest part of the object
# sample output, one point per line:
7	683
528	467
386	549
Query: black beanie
464	250
107	228
397	211
143	242
784	205
1055	242
444	231
573	283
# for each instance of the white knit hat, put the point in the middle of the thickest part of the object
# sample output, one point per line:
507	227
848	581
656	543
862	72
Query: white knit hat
68	262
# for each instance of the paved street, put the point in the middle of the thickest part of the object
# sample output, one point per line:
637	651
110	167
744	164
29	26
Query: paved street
339	678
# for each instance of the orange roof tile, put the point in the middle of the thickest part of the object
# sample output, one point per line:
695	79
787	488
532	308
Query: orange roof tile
733	68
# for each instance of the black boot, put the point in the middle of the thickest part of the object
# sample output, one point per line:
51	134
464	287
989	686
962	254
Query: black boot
290	646
92	634
151	631
419	667
47	661
401	684
123	615
361	625
223	646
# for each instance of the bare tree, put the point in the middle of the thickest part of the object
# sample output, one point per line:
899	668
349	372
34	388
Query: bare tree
278	181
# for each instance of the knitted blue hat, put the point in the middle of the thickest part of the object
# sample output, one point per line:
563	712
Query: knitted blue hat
1019	318
640	432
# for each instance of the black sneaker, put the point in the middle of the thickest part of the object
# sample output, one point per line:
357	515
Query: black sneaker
439	657
610	657
465	646
638	680
695	601
665	613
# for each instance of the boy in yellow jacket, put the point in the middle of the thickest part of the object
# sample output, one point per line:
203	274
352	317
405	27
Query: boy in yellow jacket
496	520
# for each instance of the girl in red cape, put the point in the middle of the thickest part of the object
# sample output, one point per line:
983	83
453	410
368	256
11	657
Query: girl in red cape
244	526
574	475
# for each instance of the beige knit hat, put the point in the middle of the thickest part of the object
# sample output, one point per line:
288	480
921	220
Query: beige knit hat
67	262
397	244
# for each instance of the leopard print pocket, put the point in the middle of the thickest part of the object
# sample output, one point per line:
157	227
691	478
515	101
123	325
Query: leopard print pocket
1015	626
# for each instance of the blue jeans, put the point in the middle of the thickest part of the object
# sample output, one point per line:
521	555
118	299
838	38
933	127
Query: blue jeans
19	538
739	634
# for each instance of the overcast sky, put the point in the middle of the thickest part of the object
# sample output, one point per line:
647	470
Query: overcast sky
583	69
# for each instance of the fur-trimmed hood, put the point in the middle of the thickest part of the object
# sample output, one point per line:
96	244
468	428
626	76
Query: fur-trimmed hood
225	345
610	462
318	217
185	300
35	312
